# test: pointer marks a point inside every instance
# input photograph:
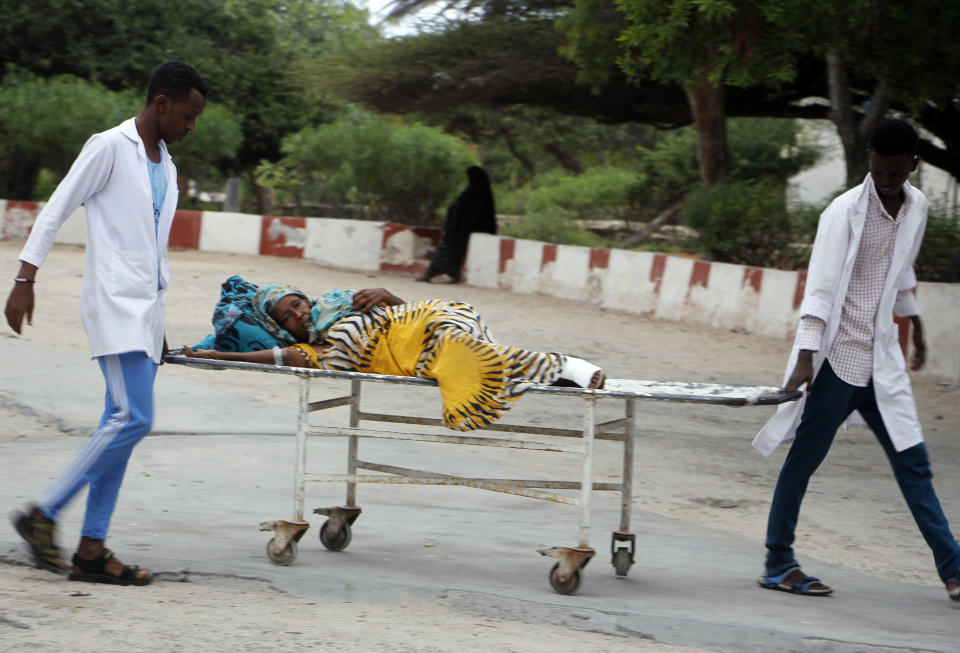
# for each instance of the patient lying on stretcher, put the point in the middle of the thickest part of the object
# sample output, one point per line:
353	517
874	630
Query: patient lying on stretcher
373	330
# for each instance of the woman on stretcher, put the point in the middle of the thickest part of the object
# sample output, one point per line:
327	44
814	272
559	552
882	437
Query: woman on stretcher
375	331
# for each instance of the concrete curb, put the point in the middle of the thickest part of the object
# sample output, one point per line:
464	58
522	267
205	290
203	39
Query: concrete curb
736	297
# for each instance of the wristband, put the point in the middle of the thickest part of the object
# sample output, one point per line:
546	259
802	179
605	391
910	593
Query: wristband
277	356
22	280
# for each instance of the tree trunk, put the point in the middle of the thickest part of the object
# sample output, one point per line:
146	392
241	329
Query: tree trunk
709	118
841	115
852	128
264	199
518	155
667	216
564	158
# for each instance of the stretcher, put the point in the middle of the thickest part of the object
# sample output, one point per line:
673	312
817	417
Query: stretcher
565	576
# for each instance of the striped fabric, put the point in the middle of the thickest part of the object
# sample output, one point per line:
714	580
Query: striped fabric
442	340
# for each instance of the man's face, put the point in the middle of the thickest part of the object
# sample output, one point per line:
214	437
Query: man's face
177	119
889	172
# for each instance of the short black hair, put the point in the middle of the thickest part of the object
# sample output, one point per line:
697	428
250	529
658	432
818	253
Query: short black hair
893	137
176	80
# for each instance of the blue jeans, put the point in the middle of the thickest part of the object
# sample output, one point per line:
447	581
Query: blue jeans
830	403
127	418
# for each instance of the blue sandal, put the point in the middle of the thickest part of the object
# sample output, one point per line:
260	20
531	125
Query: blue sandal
803	585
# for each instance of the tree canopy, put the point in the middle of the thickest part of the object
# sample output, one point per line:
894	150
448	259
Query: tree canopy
245	49
506	57
34	136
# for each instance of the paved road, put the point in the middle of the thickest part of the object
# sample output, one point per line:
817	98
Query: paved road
196	491
221	460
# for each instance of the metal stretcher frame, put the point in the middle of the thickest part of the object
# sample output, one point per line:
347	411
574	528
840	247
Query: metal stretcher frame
565	576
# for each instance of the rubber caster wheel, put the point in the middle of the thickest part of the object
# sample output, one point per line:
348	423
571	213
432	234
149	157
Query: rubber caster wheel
285	558
337	541
570	587
621	561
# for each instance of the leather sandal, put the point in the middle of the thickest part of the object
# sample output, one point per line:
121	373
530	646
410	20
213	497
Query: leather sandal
95	571
40	537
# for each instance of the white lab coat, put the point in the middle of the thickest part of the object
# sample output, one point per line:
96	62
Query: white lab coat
126	272
828	275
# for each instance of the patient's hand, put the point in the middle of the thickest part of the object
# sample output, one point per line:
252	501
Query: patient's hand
196	353
364	300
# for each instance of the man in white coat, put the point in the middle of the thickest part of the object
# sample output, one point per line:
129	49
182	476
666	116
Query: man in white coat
128	184
847	353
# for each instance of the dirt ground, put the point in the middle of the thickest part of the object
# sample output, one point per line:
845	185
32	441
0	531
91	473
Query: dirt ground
693	463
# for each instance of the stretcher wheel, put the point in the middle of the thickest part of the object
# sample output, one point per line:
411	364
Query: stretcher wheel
335	541
570	587
621	561
285	558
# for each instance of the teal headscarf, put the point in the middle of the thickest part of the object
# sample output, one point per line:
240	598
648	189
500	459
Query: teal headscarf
324	310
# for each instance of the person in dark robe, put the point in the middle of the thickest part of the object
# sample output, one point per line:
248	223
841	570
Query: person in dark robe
473	211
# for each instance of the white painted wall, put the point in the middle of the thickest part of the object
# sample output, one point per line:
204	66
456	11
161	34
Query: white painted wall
825	180
353	244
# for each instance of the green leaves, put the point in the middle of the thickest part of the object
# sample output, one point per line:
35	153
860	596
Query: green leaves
35	135
402	172
33	132
745	43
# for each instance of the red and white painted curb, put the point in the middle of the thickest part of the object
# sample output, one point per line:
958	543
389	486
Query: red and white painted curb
738	297
354	244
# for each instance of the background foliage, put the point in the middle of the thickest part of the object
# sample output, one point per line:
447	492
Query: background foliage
579	109
386	170
35	137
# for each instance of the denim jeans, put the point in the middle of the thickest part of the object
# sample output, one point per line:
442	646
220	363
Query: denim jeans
830	403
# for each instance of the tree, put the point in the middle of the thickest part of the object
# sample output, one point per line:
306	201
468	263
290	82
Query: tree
33	133
475	62
247	50
882	55
399	172
700	45
35	136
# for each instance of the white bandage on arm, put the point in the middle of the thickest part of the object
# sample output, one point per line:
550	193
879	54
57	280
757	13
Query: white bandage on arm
277	356
810	333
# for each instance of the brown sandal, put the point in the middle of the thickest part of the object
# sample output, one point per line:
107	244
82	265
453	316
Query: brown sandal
40	537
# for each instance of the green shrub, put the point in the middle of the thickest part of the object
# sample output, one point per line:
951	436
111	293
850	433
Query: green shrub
552	227
598	194
400	172
47	182
767	148
937	260
742	222
45	122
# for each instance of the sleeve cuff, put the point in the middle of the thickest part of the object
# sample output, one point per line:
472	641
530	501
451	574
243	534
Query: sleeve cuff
906	304
810	333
